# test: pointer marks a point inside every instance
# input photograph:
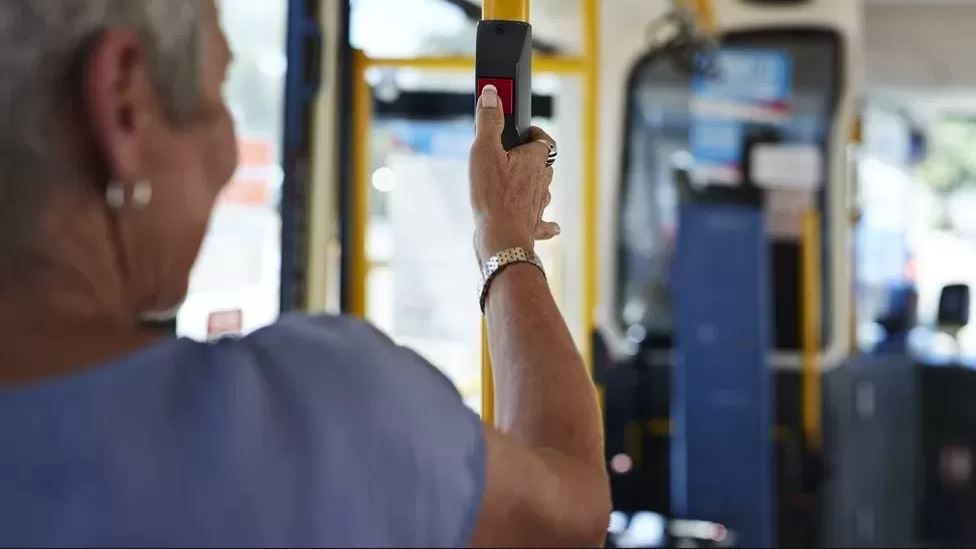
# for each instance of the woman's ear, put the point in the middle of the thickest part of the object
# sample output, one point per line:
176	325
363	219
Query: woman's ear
119	98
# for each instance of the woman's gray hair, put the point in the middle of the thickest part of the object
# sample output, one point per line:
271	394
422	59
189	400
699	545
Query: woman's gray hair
43	45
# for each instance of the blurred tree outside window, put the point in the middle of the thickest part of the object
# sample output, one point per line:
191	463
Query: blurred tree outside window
945	249
950	165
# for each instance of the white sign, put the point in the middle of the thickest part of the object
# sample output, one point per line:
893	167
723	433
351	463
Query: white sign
798	167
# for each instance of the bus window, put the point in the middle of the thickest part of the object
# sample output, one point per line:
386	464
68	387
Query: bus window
428	28
816	60
657	148
657	138
422	275
234	286
423	27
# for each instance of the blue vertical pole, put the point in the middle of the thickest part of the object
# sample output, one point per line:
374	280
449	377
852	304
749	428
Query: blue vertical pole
303	48
722	455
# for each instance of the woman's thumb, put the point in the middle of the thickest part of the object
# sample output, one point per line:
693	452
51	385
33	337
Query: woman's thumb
491	118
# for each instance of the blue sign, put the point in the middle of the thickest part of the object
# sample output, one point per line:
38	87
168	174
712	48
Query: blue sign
749	86
717	141
752	76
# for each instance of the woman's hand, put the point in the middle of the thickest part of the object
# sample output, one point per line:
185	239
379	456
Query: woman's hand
509	189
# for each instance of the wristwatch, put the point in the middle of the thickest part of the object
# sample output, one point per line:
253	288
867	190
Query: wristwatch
497	263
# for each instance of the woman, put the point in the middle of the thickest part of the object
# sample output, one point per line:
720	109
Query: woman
314	431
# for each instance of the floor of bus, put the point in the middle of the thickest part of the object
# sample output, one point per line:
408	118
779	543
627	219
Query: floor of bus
880	479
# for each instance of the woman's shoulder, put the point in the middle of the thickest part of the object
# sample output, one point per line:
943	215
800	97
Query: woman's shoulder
313	347
320	339
370	412
322	330
313	413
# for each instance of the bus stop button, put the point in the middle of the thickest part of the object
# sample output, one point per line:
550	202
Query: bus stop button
506	91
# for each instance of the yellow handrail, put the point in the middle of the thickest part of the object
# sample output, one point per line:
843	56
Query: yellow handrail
590	16
554	64
506	10
487	379
586	66
704	12
706	16
811	318
361	123
362	119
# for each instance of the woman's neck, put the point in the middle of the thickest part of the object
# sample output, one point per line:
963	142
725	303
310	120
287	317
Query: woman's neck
63	319
39	355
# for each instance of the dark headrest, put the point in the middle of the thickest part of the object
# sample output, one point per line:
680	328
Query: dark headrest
954	306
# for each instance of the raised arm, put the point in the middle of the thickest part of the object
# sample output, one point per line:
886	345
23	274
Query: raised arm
546	479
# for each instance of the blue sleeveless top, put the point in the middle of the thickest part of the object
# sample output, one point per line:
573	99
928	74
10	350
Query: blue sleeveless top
312	432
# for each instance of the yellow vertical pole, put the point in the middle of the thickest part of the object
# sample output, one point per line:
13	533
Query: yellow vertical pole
590	17
811	324
706	15
505	10
487	379
362	120
704	12
854	217
495	10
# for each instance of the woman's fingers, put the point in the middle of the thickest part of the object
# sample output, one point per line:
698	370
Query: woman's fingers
540	150
547	230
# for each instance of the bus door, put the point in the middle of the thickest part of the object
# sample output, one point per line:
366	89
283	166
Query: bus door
657	154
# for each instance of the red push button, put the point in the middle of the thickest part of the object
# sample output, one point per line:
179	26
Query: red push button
506	91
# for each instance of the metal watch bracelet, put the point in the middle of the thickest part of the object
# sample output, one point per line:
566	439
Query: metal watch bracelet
498	262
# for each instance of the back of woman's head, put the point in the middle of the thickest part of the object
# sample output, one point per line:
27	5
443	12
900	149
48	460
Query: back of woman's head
114	134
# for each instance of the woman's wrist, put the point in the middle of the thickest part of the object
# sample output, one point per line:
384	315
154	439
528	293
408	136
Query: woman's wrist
489	240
